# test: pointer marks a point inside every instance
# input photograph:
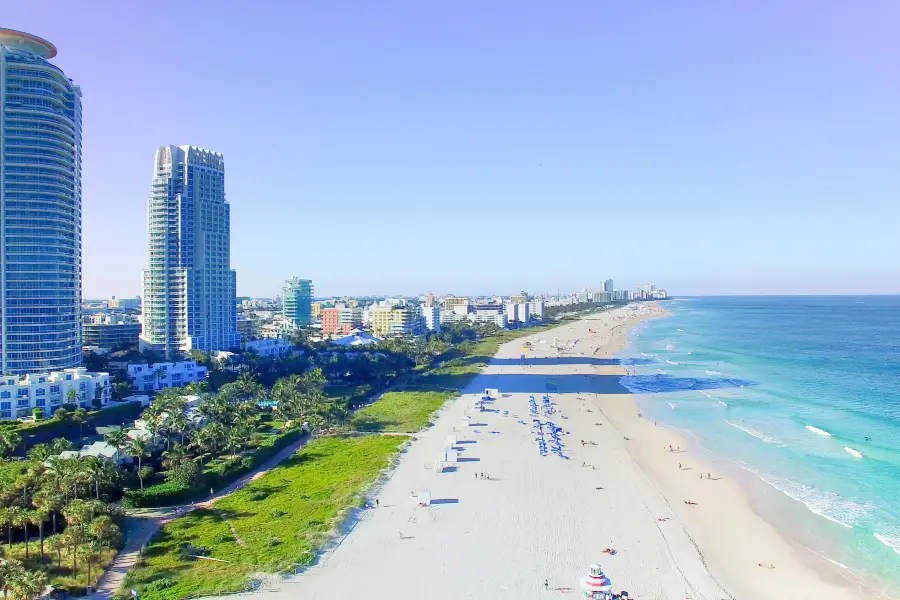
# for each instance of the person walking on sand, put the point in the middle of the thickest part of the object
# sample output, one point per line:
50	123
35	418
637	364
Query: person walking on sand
546	584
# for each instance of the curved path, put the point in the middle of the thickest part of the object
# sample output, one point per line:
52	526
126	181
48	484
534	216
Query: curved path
142	524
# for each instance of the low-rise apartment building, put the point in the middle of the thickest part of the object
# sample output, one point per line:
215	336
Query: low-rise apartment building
19	396
152	377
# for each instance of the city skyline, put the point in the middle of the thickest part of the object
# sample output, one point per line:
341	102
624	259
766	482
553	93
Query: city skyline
744	194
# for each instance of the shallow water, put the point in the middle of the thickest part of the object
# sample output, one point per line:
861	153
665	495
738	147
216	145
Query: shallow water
803	393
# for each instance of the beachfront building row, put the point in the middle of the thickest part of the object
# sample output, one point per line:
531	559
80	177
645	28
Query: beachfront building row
488	312
340	319
152	377
297	302
189	288
19	396
40	210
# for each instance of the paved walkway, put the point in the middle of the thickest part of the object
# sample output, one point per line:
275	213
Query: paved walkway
142	524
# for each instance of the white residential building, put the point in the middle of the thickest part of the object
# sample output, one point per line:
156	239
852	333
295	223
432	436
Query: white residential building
153	377
19	396
536	308
189	287
269	348
431	314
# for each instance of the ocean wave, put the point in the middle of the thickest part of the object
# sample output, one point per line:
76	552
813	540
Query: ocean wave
680	330
707	394
827	505
670	347
818	431
708	372
645	355
853	451
671	362
756	433
892	541
661	371
722	403
672	404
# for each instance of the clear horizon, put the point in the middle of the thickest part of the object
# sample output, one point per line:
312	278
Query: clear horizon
748	148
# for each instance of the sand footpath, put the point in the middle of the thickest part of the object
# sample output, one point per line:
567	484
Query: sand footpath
546	519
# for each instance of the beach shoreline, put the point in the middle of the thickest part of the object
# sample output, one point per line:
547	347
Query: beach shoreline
505	521
748	499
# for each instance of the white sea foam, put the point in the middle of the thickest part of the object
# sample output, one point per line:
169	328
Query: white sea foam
672	404
707	394
818	431
827	505
661	371
853	451
671	362
722	403
670	347
681	330
708	372
756	433
891	541
645	355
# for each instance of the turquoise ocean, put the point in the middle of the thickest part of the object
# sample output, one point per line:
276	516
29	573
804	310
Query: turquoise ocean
799	397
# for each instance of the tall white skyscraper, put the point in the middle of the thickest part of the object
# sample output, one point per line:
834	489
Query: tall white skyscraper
189	288
40	210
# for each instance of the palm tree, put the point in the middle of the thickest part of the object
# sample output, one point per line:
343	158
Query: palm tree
118	438
71	395
79	415
90	552
77	513
24	519
175	456
207	439
139	449
39	515
104	530
57	543
94	469
9	441
12	515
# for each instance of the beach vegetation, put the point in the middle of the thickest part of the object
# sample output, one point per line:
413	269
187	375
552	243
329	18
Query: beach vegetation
215	550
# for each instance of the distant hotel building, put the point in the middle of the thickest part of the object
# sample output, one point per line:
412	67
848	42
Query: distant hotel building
40	200
297	303
106	331
341	319
124	303
394	320
49	391
189	289
431	317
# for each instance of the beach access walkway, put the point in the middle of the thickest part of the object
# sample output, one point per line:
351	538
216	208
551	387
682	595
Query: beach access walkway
142	524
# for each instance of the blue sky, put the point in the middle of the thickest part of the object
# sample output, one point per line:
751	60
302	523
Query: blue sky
486	147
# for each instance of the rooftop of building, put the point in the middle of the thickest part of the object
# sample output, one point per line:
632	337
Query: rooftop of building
28	42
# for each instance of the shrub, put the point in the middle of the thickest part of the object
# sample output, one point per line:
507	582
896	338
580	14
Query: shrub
158	585
185	475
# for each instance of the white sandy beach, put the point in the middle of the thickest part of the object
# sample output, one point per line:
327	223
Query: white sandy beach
549	518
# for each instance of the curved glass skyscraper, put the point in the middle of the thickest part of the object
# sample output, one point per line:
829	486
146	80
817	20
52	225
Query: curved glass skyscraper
40	209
